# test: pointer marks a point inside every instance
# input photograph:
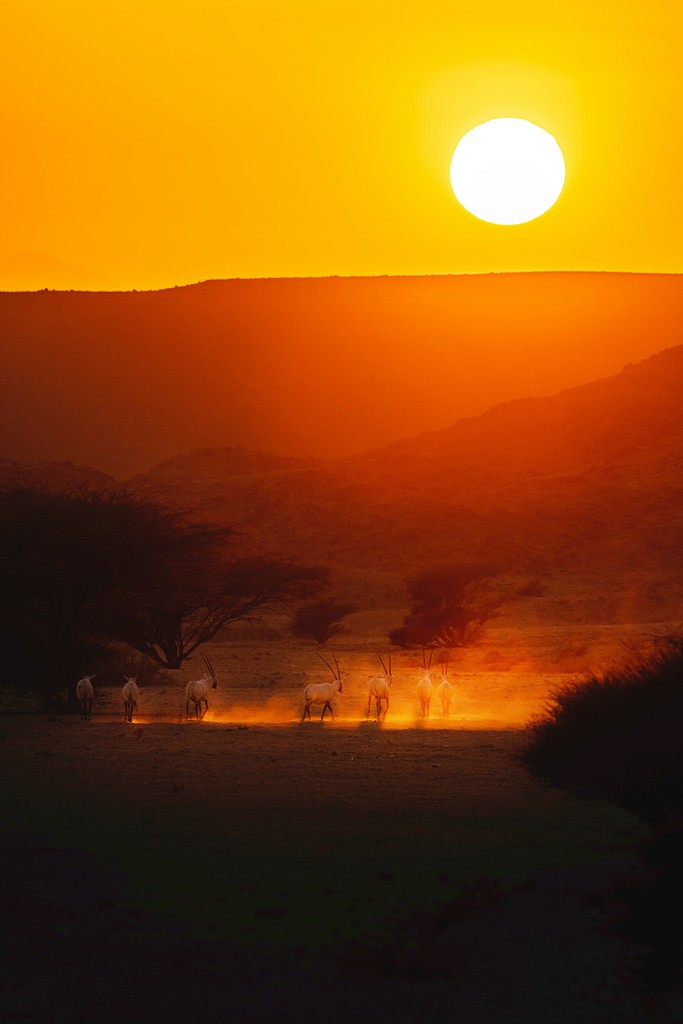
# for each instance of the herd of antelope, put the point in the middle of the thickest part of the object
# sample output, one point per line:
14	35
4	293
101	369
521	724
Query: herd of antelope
320	694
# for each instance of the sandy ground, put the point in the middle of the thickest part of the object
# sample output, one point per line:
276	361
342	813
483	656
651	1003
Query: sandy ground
250	867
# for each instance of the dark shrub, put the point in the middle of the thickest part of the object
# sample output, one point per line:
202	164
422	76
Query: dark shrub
320	620
452	602
618	737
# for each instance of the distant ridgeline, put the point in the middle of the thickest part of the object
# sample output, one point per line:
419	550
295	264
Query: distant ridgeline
582	490
307	367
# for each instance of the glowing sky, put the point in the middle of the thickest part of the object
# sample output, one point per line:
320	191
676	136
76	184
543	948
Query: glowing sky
153	143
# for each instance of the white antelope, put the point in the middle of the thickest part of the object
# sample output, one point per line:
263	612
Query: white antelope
323	693
424	686
445	690
130	694
85	694
197	691
378	690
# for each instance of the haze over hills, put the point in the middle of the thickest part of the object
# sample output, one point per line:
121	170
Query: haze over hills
307	367
585	485
581	491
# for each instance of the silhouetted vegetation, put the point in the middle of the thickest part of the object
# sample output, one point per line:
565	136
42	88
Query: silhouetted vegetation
618	736
533	588
451	605
320	620
200	594
79	570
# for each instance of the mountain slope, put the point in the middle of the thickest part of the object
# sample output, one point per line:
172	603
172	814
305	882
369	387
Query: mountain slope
310	367
586	483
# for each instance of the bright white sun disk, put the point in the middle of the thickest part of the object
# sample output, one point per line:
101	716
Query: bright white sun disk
507	171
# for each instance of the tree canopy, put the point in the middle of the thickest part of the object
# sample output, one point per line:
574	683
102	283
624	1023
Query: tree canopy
79	570
452	602
321	620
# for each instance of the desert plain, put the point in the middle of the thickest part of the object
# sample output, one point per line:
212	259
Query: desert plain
253	867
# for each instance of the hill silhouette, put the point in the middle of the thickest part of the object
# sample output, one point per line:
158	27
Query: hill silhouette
307	367
581	490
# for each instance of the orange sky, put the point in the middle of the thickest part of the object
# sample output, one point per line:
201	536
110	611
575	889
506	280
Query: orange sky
156	143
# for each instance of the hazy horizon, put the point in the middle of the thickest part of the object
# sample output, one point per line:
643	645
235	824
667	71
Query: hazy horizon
342	277
308	366
148	147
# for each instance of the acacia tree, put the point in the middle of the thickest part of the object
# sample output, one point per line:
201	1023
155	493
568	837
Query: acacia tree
320	620
172	617
452	603
54	564
78	570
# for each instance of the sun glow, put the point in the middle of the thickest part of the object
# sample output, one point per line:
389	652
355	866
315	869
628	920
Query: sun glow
507	171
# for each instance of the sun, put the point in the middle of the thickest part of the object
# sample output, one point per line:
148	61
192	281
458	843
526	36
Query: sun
507	171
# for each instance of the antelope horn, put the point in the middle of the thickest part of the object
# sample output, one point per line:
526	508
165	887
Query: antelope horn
327	663
209	666
381	661
390	663
338	674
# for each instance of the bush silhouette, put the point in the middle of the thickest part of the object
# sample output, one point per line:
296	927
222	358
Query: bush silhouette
82	570
452	602
619	737
321	620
